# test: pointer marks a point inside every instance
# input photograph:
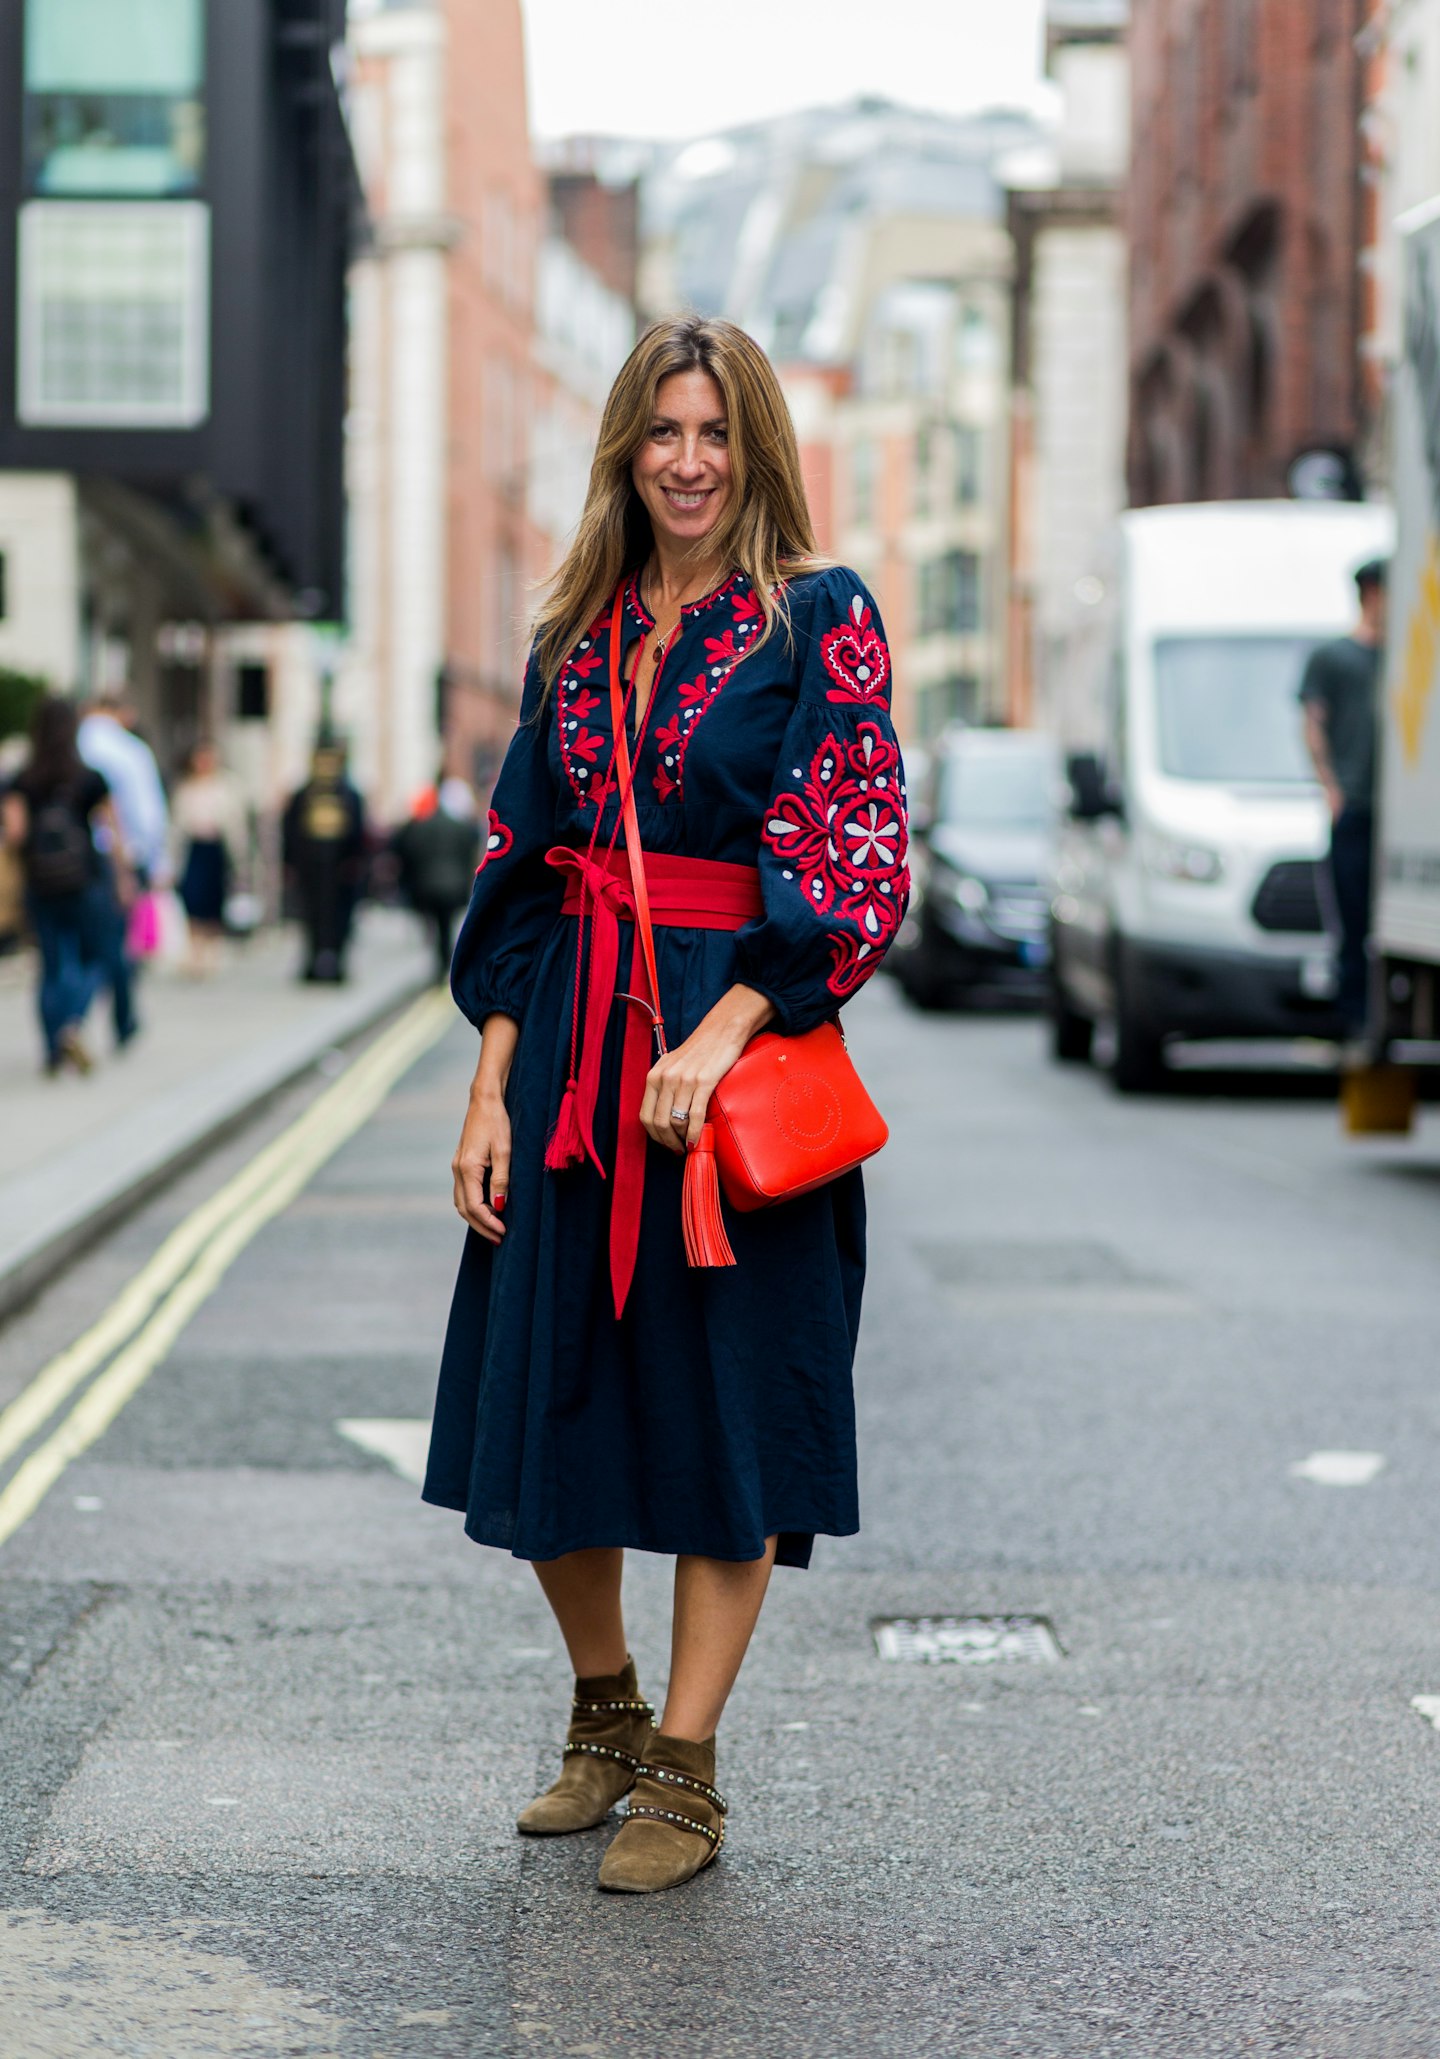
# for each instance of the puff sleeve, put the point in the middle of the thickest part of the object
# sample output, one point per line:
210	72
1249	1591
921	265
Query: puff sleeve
833	844
516	896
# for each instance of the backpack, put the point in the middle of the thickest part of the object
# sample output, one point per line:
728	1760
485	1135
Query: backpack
59	856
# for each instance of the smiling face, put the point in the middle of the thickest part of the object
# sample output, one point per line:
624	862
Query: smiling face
682	469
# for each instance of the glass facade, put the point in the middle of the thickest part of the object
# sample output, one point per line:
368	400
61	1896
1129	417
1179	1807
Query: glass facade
114	98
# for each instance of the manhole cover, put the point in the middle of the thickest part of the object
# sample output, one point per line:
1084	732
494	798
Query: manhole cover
964	1640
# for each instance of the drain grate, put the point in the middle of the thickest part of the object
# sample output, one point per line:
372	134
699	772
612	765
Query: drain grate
964	1640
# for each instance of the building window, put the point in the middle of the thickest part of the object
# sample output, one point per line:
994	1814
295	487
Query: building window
252	693
114	98
945	701
966	459
1242	56
114	314
925	445
949	596
862	483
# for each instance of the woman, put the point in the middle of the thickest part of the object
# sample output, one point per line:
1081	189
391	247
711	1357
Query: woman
595	1392
208	815
49	818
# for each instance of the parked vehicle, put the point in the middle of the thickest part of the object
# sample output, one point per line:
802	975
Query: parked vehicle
978	913
1187	896
1405	1022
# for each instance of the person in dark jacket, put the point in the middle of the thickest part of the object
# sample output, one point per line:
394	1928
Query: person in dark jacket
439	852
72	897
324	853
1340	695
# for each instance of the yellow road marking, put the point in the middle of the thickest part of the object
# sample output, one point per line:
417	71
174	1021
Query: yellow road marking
197	1255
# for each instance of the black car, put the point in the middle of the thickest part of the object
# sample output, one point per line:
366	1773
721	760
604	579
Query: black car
979	909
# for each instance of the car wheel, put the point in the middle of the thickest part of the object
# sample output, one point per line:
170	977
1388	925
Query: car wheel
1137	1065
1071	1034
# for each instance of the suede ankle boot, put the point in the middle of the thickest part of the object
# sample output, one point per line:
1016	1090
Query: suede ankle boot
674	1823
609	1730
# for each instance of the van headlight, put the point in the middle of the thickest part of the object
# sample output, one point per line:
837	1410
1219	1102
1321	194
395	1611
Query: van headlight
968	893
1173	857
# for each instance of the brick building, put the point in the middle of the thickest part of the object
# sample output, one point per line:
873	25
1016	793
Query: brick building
1244	227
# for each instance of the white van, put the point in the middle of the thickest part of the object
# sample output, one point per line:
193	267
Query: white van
1186	897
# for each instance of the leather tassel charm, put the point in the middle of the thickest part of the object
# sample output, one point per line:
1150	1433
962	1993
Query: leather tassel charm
566	1146
706	1243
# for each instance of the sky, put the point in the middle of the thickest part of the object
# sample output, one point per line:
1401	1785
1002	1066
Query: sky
675	68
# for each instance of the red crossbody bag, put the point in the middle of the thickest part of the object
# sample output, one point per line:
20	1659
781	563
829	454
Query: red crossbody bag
789	1116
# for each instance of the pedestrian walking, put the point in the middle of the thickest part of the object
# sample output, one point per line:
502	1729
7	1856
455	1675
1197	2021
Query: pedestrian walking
210	821
597	1389
51	814
323	842
438	850
1340	696
134	847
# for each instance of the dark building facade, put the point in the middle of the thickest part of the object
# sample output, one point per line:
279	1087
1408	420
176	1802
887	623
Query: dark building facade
1244	224
177	200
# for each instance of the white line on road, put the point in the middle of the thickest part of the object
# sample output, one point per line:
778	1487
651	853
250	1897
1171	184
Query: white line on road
1339	1468
1428	1705
402	1443
32	1408
357	1097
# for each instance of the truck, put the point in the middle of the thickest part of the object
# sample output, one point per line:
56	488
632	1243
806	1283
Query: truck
1405	937
1187	900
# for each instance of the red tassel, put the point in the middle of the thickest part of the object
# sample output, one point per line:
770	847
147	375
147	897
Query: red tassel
705	1240
566	1146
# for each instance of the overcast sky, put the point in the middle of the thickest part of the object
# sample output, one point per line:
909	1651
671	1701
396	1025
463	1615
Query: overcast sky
677	68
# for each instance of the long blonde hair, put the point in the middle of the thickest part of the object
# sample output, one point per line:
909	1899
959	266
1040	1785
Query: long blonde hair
766	532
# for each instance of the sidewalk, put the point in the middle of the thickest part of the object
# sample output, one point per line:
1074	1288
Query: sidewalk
75	1153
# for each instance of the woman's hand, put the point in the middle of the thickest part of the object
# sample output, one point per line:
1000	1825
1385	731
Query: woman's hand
684	1079
484	1146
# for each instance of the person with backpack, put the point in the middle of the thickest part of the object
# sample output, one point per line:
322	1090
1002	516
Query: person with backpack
50	814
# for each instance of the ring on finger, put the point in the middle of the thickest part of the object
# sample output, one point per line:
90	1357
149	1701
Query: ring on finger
680	1117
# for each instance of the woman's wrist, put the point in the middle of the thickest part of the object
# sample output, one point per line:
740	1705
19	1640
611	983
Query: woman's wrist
747	1010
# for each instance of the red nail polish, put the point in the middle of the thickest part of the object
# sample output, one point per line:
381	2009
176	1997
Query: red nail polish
497	1202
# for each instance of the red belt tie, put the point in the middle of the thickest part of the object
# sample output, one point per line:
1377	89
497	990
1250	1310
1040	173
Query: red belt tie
685	893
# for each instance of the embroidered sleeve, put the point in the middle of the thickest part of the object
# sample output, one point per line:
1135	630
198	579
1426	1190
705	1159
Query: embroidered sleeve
833	843
516	896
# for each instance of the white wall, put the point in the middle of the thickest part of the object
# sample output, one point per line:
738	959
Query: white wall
39	541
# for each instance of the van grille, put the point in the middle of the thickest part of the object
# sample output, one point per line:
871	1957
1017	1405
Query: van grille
1289	899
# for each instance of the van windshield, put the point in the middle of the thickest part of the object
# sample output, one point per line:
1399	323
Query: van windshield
997	789
1228	711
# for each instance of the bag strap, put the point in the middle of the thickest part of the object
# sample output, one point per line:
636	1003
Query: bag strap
630	826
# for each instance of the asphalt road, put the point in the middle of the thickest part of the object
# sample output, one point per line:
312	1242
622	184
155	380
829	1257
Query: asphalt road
264	1720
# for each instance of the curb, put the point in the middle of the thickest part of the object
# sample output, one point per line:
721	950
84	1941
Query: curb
153	1145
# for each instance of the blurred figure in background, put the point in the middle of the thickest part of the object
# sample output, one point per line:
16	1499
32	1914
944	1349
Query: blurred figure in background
73	894
1340	695
210	820
324	854
137	845
439	850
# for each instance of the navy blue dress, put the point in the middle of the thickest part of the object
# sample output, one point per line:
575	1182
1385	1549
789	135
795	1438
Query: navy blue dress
718	1409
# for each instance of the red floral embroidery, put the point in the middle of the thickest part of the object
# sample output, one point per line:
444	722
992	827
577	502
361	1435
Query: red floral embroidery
856	659
498	842
722	654
574	703
843	838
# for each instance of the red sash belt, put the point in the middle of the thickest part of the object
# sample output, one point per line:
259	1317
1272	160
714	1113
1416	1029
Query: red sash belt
685	893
